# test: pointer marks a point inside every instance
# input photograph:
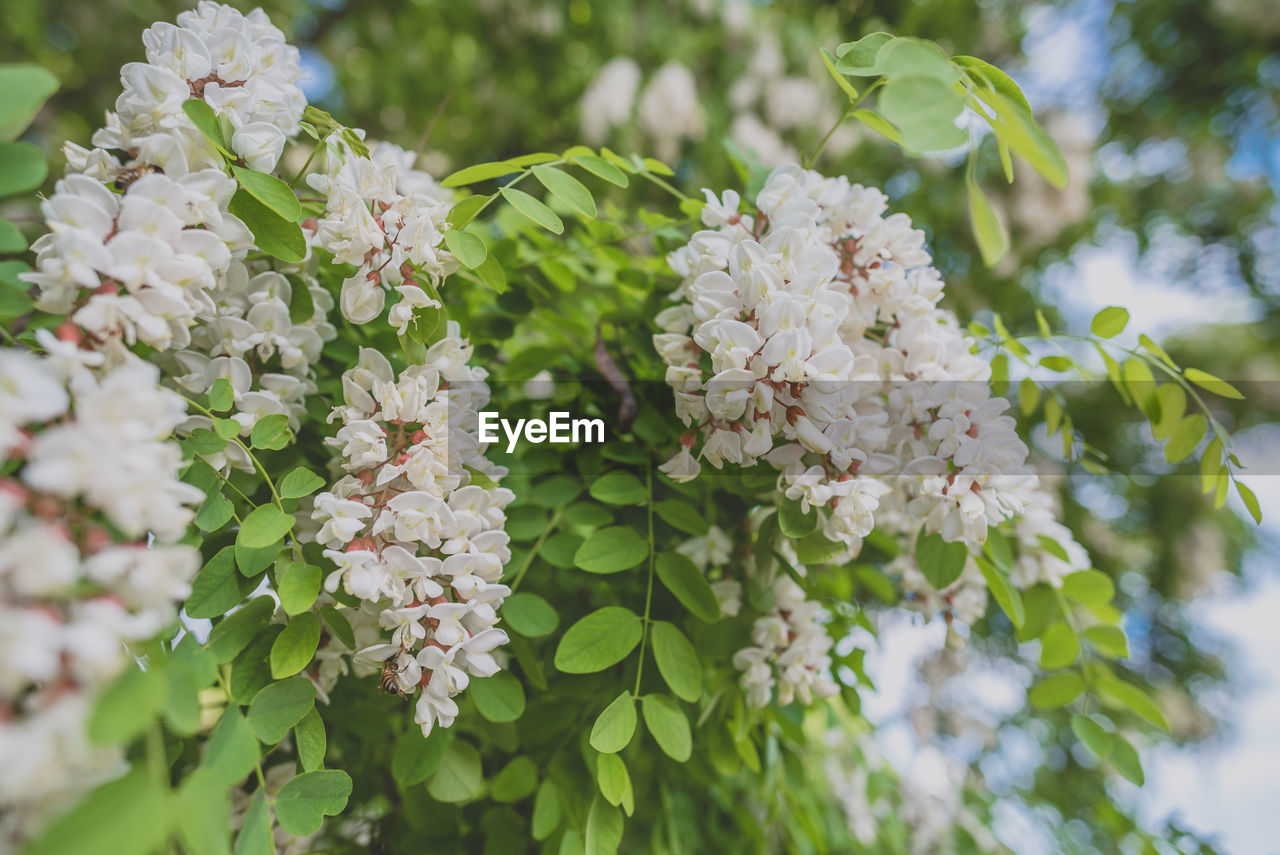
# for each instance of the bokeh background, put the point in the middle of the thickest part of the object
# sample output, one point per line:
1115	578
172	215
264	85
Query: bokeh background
1168	113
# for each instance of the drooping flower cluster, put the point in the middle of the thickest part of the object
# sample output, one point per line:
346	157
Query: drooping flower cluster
818	319
240	65
91	476
415	530
667	110
143	247
790	650
388	219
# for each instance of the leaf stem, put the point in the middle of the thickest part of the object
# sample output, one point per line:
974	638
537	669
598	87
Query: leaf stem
533	553
648	596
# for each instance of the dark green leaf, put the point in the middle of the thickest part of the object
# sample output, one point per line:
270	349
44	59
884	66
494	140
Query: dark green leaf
499	698
304	802
272	233
669	726
689	585
611	550
677	660
535	210
270	191
279	707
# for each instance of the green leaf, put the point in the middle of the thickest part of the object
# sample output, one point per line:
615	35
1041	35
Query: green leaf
1184	438
682	516
612	778
226	428
1056	690
689	585
132	815
23	90
677	661
1250	502
1110	640
22	168
1092	735
417	757
1059	647
214	512
1142	386
12	241
814	548
271	432
567	189
253	561
232	750
904	56
530	615
204	815
1015	126
940	562
256	837
311	741
1004	593
492	275
1207	381
297	585
264	527
611	550
794	521
619	488
602	168
615	726
465	210
279	707
218	587
304	802
879	124
1126	760
480	172
270	191
924	110
499	698
1091	587
993	238
466	247
1109	322
829	60
599	640
546	811
668	725
272	233
206	122
516	781
235	631
460	777
604	829
221	396
296	646
535	210
129	704
1120	695
339	626
859	58
986	74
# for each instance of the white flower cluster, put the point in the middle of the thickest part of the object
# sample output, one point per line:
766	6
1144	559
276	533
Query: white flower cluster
817	317
252	341
667	110
711	553
388	219
240	65
790	642
161	261
790	650
91	475
411	532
